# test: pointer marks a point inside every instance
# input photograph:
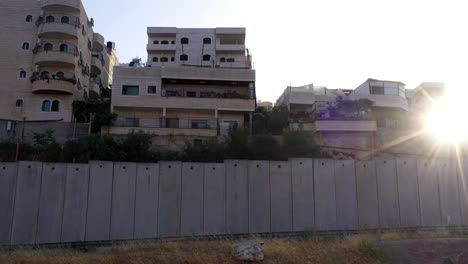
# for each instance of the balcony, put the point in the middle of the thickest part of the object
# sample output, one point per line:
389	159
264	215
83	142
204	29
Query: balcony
199	73
54	28
160	47
61	5
166	126
55	55
53	85
98	42
232	47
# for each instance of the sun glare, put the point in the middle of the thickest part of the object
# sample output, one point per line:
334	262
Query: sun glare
446	122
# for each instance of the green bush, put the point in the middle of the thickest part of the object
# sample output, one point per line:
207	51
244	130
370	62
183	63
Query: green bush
300	144
237	144
206	151
265	147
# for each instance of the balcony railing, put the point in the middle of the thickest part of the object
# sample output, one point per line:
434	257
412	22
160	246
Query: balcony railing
214	95
100	57
72	4
66	78
164	122
56	47
51	18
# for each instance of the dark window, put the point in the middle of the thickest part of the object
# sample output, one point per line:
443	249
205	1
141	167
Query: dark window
205	94
19	103
155	59
164	42
231	60
60	74
164	59
83	30
55	106
173	42
184	57
63	48
65	20
50	19
45	74
172	59
130	90
45	106
25	46
206	57
48	47
191	94
206	41
29	18
172	93
199	124
22	75
151	89
222	60
377	90
184	41
172	122
155	42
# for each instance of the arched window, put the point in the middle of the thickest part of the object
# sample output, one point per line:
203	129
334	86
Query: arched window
155	59
184	57
155	42
206	57
50	19
172	59
48	47
173	42
184	41
222	60
22	75
231	60
45	106
25	46
45	74
29	18
19	103
63	48
65	20
206	41
60	74
164	59
55	106
164	42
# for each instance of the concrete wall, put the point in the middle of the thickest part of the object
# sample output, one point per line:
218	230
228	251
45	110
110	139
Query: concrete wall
62	203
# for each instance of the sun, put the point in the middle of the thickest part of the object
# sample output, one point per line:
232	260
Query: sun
447	121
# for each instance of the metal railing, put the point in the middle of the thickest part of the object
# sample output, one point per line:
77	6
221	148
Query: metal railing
56	47
164	122
60	19
66	78
199	94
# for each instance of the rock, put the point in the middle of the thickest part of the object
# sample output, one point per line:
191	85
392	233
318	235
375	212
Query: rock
248	251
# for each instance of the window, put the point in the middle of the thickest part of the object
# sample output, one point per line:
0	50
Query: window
172	122
191	94
19	103
25	46
156	42
29	18
22	75
64	48
222	60
377	90
55	106
48	47
46	106
184	57
65	20
172	93
206	57
155	59
83	32
172	59
184	41
50	19
60	75
45	74
206	41
231	60
173	42
130	90
164	59
164	42
151	89
199	124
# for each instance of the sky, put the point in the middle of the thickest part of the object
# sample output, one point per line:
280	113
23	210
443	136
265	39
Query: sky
332	43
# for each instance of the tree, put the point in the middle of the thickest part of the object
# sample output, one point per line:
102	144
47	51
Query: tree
237	144
300	144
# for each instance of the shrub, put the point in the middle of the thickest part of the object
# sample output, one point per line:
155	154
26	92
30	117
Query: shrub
207	151
265	147
300	144
237	144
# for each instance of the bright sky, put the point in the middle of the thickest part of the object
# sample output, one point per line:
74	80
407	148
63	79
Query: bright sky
334	43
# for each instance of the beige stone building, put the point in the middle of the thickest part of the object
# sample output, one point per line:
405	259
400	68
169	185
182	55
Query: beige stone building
49	57
196	85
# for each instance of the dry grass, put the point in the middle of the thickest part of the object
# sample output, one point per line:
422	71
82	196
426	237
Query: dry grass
351	250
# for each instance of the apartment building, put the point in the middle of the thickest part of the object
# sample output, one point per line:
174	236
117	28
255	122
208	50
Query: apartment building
197	84
388	115
49	57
